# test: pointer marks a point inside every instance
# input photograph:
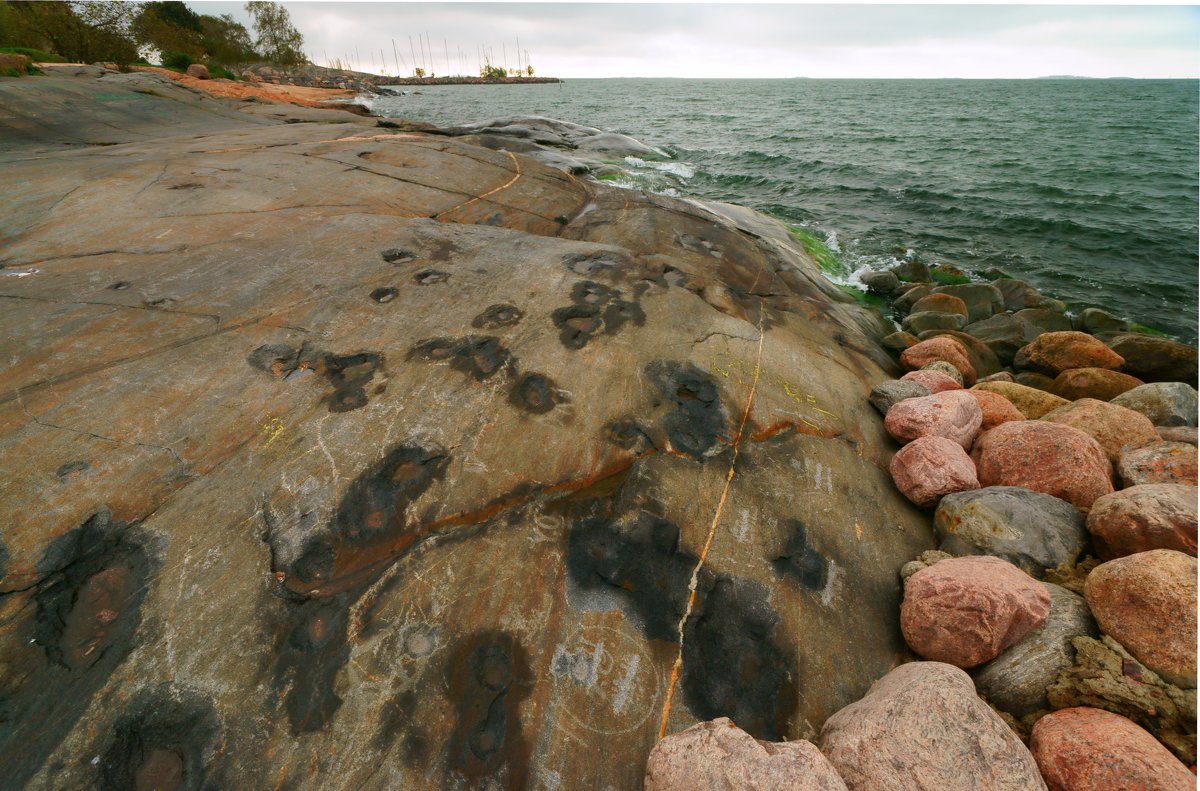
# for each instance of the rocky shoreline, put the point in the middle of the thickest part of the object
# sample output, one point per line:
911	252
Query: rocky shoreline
344	452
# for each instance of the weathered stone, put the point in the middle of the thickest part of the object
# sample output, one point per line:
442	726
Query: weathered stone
966	610
923	727
1147	603
948	274
927	468
1032	403
1003	376
917	323
1043	319
719	756
1186	434
954	415
924	560
1046	457
912	271
880	282
199	71
1094	320
1106	676
899	341
945	349
1142	518
933	380
996	409
1158	462
1154	359
941	303
887	394
904	302
1035	380
1084	749
982	300
1031	530
946	368
1165	403
1054	352
1017	294
1003	334
1016	681
1099	383
1114	427
982	359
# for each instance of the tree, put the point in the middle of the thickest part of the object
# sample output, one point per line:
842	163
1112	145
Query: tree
490	72
169	27
418	72
528	71
275	38
80	31
226	40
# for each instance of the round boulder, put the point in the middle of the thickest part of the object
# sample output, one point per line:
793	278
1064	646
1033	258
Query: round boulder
880	282
1147	603
1154	359
928	468
954	414
1016	681
198	70
1086	749
1031	530
981	357
965	611
934	381
887	394
982	300
1142	518
1114	427
1179	434
926	320
719	756
922	726
996	409
941	303
1031	402
899	341
1164	403
1054	352
1046	457
1158	462
947	349
1099	383
946	368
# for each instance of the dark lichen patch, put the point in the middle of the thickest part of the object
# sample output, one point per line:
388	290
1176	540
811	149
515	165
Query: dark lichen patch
315	650
428	277
488	677
349	374
594	263
596	308
166	740
626	433
72	470
587	292
636	562
479	356
398	724
496	316
120	285
801	560
384	295
734	664
696	423
397	255
577	324
535	393
160	303
619	313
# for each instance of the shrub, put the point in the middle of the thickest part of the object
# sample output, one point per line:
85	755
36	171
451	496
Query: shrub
178	61
35	55
222	73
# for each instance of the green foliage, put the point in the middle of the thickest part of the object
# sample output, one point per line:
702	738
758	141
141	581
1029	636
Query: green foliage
225	40
418	72
948	276
169	27
179	61
490	72
865	297
35	55
528	71
1144	330
275	38
78	31
221	73
826	259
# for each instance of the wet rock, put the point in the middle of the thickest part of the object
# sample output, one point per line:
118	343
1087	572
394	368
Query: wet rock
937	302
1003	334
982	359
1165	403
887	394
927	468
880	282
1158	462
1054	352
1154	359
1017	294
981	299
1186	434
948	274
1085	749
1031	403
1095	320
1106	676
1042	319
917	323
932	380
1046	457
996	409
954	414
1142	518
905	301
719	756
912	272
1099	383
1035	380
899	341
934	349
923	726
1113	427
1147	603
946	368
1029	529
965	611
1017	679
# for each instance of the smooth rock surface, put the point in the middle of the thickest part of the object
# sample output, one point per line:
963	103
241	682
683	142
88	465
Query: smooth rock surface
982	358
996	409
1158	462
1035	380
1054	352
965	611
1114	427
1147	603
1032	403
946	368
880	282
1043	319
1186	434
923	727
954	414
932	380
719	756
1095	320
1031	530
944	349
1164	403
1099	383
940	303
887	394
1084	749
1154	359
1046	457
917	323
1016	681
899	341
982	300
927	468
1003	334
1142	518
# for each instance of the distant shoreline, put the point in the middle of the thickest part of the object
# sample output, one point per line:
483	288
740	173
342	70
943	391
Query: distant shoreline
466	80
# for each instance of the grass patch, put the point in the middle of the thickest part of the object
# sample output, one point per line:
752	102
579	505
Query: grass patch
34	54
948	276
610	176
865	298
222	73
826	259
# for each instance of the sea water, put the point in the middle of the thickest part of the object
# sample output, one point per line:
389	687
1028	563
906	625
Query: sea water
1086	189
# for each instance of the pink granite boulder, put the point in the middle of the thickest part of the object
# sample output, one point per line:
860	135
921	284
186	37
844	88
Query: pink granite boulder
1051	353
1113	426
954	414
1158	462
928	468
1142	518
996	409
965	611
934	381
1046	457
719	756
1086	749
948	350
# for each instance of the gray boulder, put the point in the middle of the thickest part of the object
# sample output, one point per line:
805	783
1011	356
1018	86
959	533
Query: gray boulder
887	394
1003	333
1095	320
1016	681
905	301
1031	530
880	282
1165	403
983	299
1044	320
899	341
1017	294
926	320
912	272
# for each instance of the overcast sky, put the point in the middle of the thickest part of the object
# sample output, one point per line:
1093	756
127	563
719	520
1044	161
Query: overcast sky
783	40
